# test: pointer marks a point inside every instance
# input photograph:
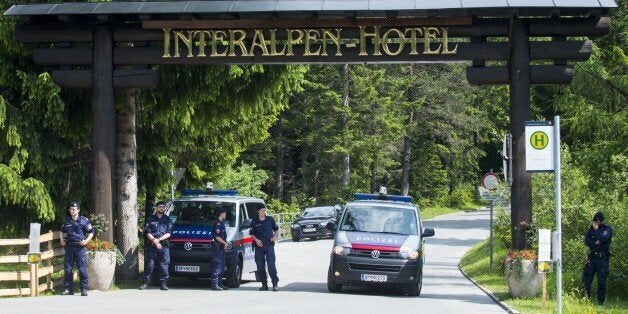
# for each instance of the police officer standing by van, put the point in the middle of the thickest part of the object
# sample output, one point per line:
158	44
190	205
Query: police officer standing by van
157	231
219	247
598	239
264	233
74	229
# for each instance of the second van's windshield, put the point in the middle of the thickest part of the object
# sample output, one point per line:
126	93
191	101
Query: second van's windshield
367	218
201	212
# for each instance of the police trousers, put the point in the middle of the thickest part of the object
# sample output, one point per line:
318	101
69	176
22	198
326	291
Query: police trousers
266	255
218	269
75	255
159	257
601	267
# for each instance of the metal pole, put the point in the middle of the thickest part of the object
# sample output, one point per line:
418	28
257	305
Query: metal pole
559	245
491	237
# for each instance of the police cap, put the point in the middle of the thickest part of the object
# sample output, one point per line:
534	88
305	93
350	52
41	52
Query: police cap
598	216
160	203
220	211
74	204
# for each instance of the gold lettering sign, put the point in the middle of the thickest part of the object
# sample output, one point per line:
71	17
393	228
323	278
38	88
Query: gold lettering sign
306	42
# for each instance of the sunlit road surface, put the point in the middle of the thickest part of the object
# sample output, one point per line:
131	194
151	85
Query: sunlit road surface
302	268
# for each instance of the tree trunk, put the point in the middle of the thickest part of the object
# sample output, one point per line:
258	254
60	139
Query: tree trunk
374	187
407	157
126	184
278	160
407	139
346	171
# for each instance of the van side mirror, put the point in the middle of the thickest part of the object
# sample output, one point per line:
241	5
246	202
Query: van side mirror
331	225
427	232
246	224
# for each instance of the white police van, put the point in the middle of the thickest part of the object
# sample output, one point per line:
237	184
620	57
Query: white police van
191	241
379	242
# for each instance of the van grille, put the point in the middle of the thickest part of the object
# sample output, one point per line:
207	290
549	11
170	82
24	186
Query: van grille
370	267
196	247
382	254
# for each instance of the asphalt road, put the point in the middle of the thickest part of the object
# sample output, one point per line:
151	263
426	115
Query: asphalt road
302	271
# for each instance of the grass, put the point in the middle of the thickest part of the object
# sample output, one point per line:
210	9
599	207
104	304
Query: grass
476	264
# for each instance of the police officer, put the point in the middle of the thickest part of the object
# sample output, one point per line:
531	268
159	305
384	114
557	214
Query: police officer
598	239
74	229
264	233
219	246
157	230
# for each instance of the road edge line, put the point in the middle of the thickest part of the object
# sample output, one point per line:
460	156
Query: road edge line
489	293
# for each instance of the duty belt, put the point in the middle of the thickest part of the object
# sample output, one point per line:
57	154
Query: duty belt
599	254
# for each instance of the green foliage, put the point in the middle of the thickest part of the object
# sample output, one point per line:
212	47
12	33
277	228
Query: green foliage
460	197
276	206
580	202
245	178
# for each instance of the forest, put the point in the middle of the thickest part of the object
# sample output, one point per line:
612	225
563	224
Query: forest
300	135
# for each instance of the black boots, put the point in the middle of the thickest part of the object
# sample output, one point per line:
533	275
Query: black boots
215	288
163	286
70	292
67	292
223	287
275	288
144	286
264	287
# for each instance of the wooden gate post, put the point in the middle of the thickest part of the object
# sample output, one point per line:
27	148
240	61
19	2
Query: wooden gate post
104	127
519	83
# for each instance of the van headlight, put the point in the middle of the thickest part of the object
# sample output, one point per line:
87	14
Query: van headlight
295	226
413	254
341	250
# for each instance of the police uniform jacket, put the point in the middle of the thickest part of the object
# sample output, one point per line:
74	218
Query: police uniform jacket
220	231
76	229
263	229
603	234
158	226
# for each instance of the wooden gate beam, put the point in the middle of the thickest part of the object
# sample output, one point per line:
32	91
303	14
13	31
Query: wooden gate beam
539	74
542	27
122	79
519	78
103	128
497	51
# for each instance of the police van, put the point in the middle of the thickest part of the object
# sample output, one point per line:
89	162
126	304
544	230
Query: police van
191	240
379	242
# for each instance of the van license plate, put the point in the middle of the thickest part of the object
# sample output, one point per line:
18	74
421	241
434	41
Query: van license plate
376	278
309	230
187	269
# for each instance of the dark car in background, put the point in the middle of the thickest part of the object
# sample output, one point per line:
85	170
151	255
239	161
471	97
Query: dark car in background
312	222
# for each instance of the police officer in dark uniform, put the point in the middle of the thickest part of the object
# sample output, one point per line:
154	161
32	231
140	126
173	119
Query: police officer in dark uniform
264	233
598	239
157	230
219	247
74	229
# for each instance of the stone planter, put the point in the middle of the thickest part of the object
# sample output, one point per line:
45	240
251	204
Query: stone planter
101	267
523	278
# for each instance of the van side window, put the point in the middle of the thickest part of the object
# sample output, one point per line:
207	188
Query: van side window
252	208
242	214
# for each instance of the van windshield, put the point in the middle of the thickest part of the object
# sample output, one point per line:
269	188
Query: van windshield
201	212
367	218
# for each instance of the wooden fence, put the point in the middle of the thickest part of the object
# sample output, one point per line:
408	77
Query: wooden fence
45	268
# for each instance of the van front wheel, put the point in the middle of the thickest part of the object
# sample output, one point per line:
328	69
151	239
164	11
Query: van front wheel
414	289
235	277
331	285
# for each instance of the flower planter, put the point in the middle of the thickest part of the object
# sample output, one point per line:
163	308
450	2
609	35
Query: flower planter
523	278
101	267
